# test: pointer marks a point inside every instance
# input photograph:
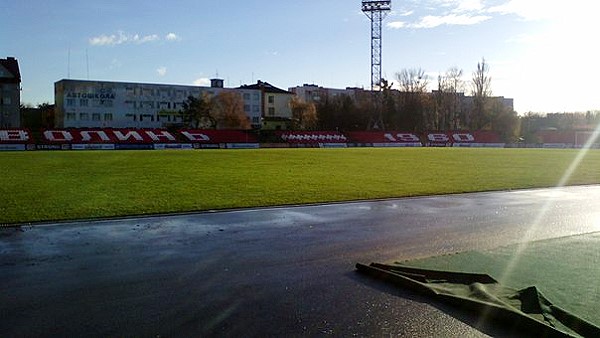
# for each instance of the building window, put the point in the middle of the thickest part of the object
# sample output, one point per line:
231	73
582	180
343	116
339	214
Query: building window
84	116
256	109
246	96
247	108
70	102
256	97
271	111
95	117
256	120
83	102
71	116
108	117
271	99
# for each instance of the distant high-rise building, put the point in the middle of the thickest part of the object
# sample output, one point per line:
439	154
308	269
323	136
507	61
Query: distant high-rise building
10	93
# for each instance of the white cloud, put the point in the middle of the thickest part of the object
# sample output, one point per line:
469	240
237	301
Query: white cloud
172	37
444	12
528	10
121	38
468	6
162	71
103	40
203	81
406	13
548	9
396	24
432	21
147	38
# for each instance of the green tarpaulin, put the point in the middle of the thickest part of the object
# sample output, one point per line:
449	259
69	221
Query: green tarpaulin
567	269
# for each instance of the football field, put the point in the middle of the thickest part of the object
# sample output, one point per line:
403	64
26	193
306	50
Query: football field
44	186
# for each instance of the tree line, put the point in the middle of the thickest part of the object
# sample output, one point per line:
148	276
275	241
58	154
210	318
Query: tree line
410	107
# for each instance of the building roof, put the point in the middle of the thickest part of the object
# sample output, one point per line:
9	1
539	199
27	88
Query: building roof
266	87
12	65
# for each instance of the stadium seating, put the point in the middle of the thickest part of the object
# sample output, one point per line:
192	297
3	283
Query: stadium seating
218	136
15	136
311	137
556	137
107	136
566	139
382	137
485	136
131	138
16	139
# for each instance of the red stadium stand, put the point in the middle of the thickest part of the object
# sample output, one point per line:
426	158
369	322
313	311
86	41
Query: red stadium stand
556	137
108	136
15	136
15	139
482	138
313	138
566	139
384	139
583	137
218	136
488	139
438	139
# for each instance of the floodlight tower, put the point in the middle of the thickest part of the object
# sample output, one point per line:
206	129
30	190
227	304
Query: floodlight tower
376	11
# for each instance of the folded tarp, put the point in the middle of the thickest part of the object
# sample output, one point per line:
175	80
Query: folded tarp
525	310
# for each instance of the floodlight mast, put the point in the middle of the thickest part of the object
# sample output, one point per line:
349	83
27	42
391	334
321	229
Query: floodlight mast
376	11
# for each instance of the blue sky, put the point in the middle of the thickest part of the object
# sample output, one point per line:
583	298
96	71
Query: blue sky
544	54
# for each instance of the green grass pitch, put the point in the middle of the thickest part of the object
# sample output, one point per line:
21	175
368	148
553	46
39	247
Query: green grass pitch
43	186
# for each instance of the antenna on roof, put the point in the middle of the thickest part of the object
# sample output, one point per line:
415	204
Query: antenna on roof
87	63
69	63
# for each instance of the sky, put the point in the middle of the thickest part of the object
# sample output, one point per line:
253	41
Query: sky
542	53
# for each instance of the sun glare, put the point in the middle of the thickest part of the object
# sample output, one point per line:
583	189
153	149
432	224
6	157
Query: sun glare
557	68
549	203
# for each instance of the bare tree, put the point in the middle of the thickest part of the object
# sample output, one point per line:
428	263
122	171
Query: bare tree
414	104
304	114
481	90
229	111
413	80
448	103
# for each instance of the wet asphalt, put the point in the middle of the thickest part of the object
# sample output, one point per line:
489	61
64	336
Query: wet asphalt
268	272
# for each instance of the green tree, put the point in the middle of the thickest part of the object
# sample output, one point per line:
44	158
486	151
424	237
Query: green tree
344	113
505	121
196	112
